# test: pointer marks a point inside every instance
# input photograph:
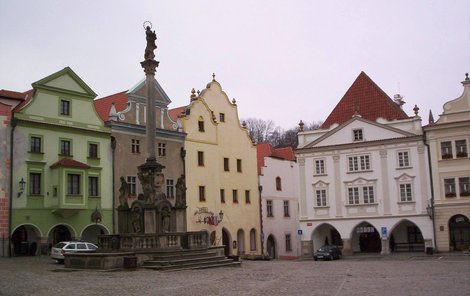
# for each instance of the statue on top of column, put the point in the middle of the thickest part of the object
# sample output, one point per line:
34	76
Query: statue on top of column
151	37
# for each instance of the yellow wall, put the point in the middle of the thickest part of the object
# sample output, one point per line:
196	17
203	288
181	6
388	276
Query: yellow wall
221	140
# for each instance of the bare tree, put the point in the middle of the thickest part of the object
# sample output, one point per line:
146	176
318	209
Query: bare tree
259	129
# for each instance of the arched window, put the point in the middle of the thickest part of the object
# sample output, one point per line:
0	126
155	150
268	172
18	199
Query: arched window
278	184
201	124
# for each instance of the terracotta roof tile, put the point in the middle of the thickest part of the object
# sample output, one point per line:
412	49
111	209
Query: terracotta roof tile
266	150
70	163
103	105
368	99
176	112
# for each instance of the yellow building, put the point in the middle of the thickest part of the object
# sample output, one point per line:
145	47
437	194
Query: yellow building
221	172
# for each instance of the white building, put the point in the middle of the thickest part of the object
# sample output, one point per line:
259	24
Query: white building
278	178
364	177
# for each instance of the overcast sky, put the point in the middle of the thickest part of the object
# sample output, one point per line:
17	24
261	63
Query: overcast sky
281	60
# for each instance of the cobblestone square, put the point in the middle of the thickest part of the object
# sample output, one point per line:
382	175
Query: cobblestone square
406	274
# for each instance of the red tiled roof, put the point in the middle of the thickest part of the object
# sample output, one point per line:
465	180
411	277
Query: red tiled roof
103	105
266	150
23	97
176	112
368	99
70	163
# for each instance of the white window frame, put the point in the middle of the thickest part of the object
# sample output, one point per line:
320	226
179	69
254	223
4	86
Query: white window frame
321	197
406	192
359	163
403	159
320	168
358	134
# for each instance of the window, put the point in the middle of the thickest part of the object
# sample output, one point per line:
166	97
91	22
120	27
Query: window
221	117
359	163
288	243
36	144
131	182
449	187
93	186
461	148
320	198
319	167
403	159
353	194
200	124
200	158
235	196
446	150
35	183
278	184
368	194
406	194
357	134
170	188
135	146
269	208
222	195
73	184
64	107
202	193
247	196
92	150
239	165
226	165
161	150
65	147
286	208
464	186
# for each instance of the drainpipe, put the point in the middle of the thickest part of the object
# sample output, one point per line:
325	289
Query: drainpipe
260	189
432	192
113	157
10	210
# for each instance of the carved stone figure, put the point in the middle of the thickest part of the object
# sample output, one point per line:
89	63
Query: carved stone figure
136	218
123	193
180	192
146	178
151	37
165	218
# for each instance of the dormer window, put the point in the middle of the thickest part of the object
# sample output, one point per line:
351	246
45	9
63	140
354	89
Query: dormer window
357	135
201	124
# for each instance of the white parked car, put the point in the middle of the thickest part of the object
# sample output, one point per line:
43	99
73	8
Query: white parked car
59	249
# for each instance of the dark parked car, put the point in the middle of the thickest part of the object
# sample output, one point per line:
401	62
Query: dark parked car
328	253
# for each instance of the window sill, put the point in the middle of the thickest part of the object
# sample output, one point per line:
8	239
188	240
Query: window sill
364	171
406	202
35	195
36	152
97	196
320	175
93	158
321	207
404	167
362	205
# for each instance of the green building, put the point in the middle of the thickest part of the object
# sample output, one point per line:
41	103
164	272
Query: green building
62	166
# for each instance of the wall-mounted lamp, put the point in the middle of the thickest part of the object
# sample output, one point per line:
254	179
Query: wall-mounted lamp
429	210
22	186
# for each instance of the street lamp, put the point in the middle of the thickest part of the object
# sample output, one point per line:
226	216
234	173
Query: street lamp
429	211
22	186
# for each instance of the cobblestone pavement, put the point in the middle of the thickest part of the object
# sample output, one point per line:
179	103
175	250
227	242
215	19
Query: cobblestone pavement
354	275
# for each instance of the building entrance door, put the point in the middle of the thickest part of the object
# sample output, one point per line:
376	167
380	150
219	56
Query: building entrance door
271	247
459	233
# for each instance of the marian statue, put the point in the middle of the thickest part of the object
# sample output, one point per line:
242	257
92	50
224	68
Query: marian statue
123	193
151	37
180	192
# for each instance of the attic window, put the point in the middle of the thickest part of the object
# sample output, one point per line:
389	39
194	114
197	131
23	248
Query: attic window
222	117
201	124
357	134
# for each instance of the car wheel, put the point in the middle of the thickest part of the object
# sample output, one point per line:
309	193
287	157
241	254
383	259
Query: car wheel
315	258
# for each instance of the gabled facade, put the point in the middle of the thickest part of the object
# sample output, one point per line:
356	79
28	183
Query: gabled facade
125	114
364	181
278	178
448	139
221	174
61	166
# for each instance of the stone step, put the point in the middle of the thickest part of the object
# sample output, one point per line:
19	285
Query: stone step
183	255
163	262
193	265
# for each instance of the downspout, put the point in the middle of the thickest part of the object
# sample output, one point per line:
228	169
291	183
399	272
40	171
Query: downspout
10	206
432	192
113	157
260	189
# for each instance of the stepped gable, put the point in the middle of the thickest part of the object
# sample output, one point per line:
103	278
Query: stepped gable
103	105
266	150
368	100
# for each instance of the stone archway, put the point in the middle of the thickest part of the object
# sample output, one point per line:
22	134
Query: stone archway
60	233
90	233
326	234
25	240
459	233
406	237
226	239
366	239
271	246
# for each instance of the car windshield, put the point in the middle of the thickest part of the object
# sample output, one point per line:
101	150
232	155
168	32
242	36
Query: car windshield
325	248
59	245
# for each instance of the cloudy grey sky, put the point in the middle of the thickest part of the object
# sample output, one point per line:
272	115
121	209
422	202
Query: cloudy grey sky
281	60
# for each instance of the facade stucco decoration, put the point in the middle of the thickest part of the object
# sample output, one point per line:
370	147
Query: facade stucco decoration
448	140
364	184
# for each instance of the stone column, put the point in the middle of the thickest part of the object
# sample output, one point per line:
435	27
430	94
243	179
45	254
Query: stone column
347	248
385	246
337	175
385	185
